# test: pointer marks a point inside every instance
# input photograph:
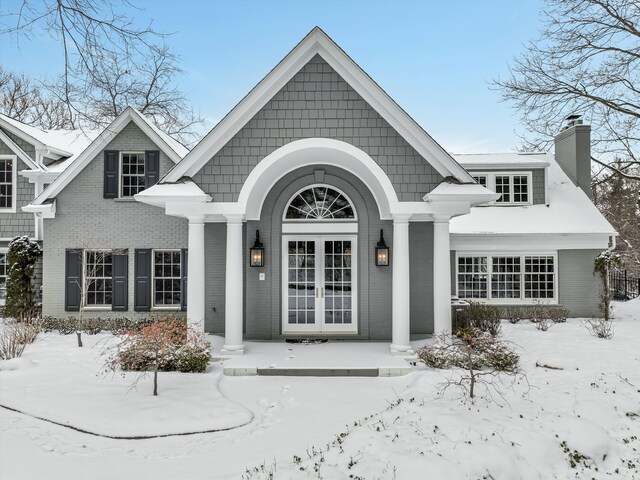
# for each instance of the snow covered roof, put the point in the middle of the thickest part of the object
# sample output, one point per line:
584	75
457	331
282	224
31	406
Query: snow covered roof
184	190
63	143
475	161
568	209
173	149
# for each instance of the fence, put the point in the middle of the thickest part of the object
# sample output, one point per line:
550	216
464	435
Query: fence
624	285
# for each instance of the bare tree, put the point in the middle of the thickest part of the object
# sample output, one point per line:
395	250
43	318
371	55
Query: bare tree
109	62
587	61
28	102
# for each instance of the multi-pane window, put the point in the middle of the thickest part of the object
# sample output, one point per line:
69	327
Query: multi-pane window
472	277
98	277
4	270
512	277
132	174
505	277
301	271
539	276
167	278
319	203
481	179
6	183
338	281
513	189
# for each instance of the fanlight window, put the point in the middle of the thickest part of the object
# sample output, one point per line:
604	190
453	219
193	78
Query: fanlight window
320	203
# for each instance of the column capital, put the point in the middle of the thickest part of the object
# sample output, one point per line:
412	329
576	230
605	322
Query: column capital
234	217
401	217
441	218
196	219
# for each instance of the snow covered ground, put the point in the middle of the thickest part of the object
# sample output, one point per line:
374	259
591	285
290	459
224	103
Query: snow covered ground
333	428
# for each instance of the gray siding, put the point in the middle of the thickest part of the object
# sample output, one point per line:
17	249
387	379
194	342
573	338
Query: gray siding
578	287
421	275
85	219
19	223
317	102
537	180
25	146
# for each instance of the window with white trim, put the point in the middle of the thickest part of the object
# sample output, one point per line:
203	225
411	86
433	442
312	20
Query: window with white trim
320	203
167	278
481	179
98	277
4	270
8	180
505	278
132	173
514	187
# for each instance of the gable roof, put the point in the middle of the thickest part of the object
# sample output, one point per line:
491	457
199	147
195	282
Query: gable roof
317	42
173	149
59	143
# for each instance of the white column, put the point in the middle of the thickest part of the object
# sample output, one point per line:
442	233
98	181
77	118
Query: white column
441	275
400	291
195	274
233	288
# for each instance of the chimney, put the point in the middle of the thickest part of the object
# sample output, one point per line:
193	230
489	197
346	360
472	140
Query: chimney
573	152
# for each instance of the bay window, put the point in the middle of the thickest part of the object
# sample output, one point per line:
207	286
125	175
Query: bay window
507	278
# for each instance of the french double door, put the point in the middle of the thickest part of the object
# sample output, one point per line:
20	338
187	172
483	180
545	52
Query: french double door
319	284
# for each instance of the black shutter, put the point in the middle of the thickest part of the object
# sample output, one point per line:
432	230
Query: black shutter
73	280
151	168
110	174
183	283
120	280
142	290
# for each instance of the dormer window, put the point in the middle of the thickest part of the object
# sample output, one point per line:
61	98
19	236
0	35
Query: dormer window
514	187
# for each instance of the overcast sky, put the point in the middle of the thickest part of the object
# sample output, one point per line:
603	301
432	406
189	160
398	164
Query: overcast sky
434	58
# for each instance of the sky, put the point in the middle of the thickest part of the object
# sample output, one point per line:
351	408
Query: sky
434	58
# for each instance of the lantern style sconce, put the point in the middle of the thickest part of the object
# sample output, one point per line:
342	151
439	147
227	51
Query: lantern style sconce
382	252
257	252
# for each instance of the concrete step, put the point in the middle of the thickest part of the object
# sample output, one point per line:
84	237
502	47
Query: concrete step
317	372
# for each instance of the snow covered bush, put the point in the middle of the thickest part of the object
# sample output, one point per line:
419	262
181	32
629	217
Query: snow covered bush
513	314
481	316
599	327
20	302
14	338
161	346
604	262
544	323
481	355
558	314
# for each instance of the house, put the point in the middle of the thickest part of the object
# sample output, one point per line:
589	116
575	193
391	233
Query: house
318	207
30	159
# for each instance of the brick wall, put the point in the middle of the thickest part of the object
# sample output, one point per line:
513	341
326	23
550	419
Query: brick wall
317	102
85	219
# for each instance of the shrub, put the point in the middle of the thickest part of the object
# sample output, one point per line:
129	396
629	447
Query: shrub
600	328
20	302
558	314
481	316
168	345
15	337
479	348
543	323
513	314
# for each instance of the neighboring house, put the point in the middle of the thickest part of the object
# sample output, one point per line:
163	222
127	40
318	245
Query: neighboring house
318	207
30	159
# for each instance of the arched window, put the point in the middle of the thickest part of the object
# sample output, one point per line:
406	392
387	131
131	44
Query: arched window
320	202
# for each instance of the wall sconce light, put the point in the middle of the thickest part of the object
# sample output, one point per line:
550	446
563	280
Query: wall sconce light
257	252
382	252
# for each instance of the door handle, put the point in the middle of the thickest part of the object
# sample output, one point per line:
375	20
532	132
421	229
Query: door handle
321	292
316	292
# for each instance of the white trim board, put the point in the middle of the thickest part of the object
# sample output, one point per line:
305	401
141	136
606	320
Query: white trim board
496	242
22	155
318	42
95	147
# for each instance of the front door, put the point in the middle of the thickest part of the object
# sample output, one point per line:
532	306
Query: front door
319	286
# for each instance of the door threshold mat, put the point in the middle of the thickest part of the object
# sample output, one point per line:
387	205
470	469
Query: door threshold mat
307	341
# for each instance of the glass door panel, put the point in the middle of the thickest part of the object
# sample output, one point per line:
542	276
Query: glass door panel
337	282
301	282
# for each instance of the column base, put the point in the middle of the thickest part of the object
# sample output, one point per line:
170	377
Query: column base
402	350
232	350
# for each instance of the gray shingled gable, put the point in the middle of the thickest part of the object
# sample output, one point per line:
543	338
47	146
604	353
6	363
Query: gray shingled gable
317	102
